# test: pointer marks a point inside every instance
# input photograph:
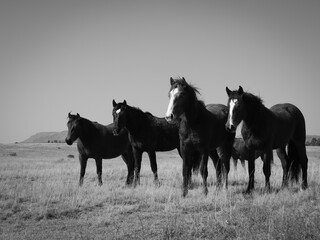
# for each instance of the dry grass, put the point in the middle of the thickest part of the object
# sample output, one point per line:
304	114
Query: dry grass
40	199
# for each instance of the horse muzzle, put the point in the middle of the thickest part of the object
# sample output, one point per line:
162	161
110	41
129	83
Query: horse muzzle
231	128
68	141
169	118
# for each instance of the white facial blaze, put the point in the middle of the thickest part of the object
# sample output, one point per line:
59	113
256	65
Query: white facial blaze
231	107
173	94
118	111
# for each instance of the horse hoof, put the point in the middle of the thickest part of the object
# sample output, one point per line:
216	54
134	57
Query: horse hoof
157	183
267	189
218	187
304	186
184	193
128	184
205	191
248	191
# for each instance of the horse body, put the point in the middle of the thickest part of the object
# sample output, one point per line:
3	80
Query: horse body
94	145
147	133
267	129
154	134
97	141
241	152
201	130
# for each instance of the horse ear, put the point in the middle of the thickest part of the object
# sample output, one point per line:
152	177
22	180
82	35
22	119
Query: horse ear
78	116
228	91
114	103
184	80
171	81
240	90
125	102
69	115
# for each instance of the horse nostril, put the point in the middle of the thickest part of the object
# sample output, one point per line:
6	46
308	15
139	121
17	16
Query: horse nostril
115	132
230	128
169	118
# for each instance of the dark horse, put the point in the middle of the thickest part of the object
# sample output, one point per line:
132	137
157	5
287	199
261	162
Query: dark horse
241	152
98	142
202	132
147	133
266	129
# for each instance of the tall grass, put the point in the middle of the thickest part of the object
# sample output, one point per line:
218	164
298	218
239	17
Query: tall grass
40	199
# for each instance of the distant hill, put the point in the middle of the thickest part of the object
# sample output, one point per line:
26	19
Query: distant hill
45	137
310	137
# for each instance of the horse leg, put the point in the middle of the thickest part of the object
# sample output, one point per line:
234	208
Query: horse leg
99	170
251	170
154	168
267	168
187	156
204	172
137	165
83	164
128	159
225	161
217	165
281	152
186	172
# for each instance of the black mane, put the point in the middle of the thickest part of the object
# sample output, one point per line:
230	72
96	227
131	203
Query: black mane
191	91
252	100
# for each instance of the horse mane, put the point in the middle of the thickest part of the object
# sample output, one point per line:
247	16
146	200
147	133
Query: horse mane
190	89
138	118
138	110
252	100
91	129
256	106
194	91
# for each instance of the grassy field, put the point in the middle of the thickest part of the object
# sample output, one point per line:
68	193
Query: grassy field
40	199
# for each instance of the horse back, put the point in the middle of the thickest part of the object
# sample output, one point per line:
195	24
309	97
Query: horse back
218	117
167	134
289	123
219	111
103	143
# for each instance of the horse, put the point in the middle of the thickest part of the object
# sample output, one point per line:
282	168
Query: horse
201	131
147	133
97	141
281	126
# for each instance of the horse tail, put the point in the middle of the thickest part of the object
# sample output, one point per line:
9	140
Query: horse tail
294	163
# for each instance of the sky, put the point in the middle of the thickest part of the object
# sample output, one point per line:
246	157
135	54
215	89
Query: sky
74	55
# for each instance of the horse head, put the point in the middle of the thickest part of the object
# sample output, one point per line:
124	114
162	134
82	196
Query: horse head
119	116
236	108
181	96
74	128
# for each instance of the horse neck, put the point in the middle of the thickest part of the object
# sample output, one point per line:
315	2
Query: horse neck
256	117
135	121
194	110
89	131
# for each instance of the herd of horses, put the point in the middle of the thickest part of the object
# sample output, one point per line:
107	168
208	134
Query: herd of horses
197	131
